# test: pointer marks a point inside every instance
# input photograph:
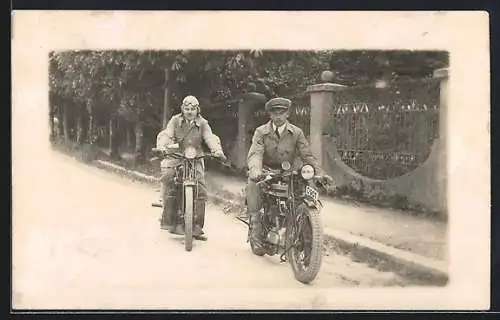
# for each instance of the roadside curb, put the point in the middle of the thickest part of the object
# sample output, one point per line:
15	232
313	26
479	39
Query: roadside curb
149	179
400	261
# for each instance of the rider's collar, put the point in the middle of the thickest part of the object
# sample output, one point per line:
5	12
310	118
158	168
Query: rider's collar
270	127
197	120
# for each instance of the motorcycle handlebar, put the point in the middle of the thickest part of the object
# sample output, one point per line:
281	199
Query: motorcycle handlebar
161	153
269	174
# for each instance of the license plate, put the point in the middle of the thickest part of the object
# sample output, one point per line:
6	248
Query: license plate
312	193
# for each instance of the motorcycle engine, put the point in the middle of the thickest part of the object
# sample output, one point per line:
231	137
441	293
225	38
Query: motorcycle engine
279	190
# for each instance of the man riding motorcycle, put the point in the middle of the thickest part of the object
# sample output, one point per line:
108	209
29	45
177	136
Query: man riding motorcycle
185	128
274	142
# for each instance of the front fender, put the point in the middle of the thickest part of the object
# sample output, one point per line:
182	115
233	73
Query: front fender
311	203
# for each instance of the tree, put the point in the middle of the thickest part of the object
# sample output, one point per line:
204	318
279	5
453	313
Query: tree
361	67
120	90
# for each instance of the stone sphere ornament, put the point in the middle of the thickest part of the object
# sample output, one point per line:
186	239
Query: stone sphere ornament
327	76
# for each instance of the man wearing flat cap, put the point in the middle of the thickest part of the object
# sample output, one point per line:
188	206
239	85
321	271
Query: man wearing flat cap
274	142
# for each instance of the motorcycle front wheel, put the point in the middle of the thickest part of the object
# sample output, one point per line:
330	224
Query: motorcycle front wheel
304	236
188	217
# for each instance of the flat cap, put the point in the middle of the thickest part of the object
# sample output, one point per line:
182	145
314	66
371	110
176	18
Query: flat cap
278	103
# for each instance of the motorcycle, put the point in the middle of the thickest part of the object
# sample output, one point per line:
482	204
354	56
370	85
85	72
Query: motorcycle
290	218
187	181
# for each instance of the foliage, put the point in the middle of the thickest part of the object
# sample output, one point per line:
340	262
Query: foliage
377	195
130	84
364	66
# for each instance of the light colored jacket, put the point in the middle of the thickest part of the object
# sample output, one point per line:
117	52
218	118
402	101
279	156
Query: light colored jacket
178	130
269	150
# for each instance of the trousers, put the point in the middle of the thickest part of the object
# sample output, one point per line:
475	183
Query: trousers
254	204
253	197
171	192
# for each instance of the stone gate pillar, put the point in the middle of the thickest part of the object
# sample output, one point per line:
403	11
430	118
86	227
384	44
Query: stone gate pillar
322	96
245	123
442	169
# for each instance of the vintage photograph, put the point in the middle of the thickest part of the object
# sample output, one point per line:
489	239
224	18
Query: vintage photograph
192	169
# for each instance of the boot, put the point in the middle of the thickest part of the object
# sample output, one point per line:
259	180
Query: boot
178	229
255	227
168	214
199	220
256	235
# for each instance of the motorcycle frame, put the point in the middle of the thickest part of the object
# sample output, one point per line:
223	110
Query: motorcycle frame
290	178
189	176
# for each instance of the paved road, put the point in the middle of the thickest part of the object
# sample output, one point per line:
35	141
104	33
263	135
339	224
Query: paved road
107	251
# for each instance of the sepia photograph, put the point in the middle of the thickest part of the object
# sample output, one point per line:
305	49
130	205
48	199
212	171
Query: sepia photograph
246	175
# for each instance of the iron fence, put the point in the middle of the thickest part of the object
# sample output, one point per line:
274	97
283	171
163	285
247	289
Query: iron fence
385	132
300	114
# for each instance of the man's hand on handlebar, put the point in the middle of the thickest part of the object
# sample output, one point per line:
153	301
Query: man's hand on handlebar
254	174
174	146
219	154
325	181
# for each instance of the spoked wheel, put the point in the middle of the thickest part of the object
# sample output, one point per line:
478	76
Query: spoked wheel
305	239
188	217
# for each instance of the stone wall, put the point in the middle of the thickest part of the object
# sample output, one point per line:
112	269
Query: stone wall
423	187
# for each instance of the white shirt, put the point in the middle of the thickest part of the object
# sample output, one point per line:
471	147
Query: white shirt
280	129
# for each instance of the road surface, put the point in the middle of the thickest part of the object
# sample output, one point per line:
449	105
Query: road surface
86	238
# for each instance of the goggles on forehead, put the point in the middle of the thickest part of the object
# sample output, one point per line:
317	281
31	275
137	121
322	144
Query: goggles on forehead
190	101
191	104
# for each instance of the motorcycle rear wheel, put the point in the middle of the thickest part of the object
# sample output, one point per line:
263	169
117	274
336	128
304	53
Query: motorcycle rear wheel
188	217
309	244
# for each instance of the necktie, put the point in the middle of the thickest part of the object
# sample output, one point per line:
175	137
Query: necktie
277	132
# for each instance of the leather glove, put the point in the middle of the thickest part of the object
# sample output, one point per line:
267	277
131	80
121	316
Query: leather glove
326	179
254	174
220	154
172	146
329	184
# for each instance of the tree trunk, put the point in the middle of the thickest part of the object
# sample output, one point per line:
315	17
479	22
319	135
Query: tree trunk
60	124
51	119
89	153
129	132
66	122
113	136
52	132
139	134
79	125
91	130
166	99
